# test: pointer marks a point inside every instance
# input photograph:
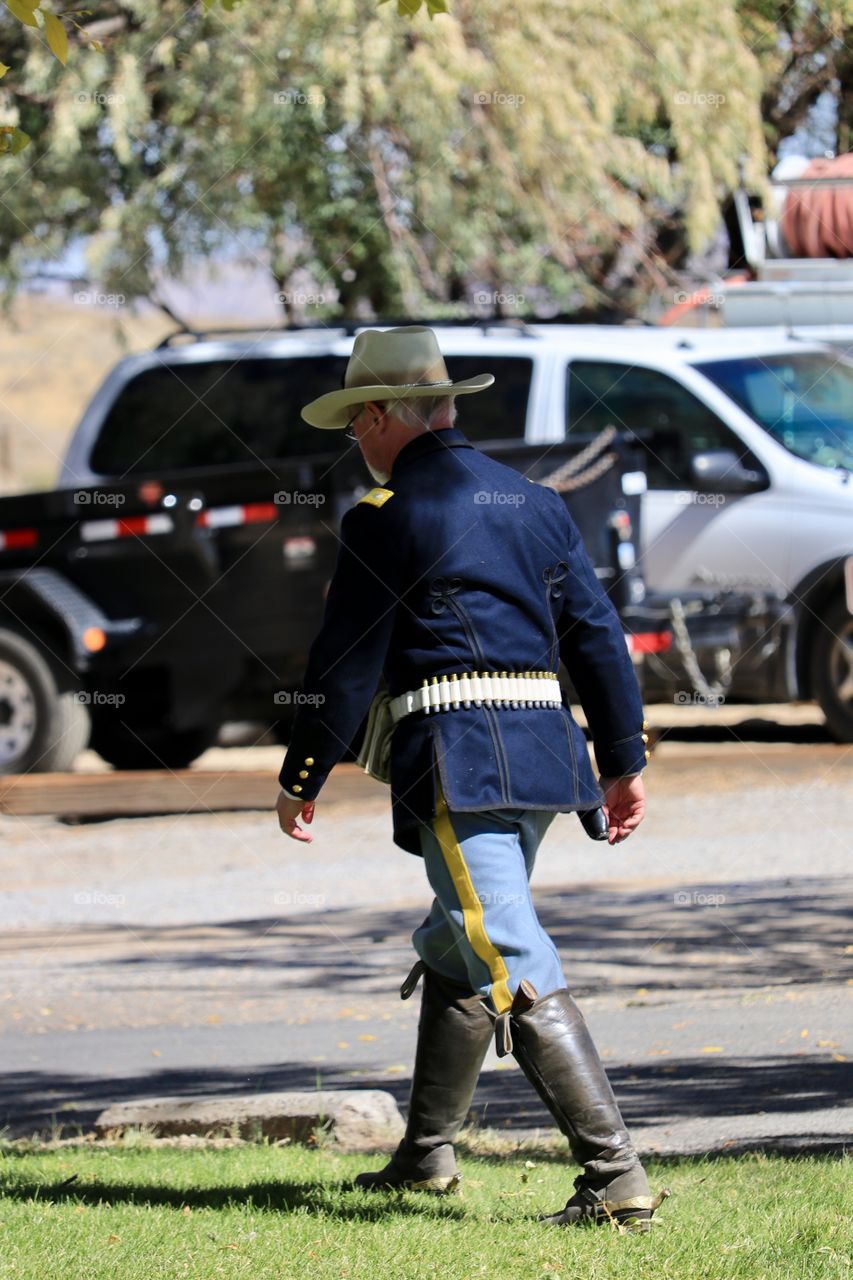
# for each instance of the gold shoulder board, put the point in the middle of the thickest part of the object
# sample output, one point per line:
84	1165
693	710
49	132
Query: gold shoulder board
377	497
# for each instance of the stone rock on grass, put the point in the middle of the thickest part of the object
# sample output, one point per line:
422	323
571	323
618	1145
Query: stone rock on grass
353	1119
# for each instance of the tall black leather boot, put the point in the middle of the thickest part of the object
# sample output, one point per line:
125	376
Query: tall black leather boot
551	1042
454	1032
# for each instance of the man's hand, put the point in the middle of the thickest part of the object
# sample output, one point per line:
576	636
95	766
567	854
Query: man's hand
288	811
625	806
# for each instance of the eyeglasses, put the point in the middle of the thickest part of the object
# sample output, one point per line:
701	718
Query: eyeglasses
349	434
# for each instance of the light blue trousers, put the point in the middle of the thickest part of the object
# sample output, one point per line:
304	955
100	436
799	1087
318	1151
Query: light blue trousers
482	929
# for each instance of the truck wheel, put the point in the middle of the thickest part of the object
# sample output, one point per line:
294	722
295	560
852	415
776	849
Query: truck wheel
832	669
41	729
147	746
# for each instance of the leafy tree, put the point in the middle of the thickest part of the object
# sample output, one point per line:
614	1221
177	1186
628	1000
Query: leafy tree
32	13
804	49
507	156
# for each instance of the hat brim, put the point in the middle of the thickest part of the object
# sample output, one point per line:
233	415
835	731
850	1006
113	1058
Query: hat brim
334	410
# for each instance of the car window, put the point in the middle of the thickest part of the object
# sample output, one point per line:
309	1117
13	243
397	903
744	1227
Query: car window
216	413
803	399
670	421
499	412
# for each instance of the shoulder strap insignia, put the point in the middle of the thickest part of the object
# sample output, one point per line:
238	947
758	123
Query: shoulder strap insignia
377	497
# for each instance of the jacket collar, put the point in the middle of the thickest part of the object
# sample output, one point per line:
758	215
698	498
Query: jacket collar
430	442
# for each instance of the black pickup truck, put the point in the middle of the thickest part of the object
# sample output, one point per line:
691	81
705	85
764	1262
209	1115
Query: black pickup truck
176	577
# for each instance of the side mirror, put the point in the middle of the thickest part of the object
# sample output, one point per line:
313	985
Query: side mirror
721	471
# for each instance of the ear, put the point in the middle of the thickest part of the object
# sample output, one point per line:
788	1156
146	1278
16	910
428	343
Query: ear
376	410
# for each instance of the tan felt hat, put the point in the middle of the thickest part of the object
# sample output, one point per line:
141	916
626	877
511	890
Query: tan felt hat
390	364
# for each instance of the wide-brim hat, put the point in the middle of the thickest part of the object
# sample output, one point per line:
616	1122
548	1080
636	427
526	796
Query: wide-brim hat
390	364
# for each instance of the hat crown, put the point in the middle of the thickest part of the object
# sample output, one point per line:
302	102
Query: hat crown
390	364
400	357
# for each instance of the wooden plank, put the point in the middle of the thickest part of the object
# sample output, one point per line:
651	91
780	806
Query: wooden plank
160	791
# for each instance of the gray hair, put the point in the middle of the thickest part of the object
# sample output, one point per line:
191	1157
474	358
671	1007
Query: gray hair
432	412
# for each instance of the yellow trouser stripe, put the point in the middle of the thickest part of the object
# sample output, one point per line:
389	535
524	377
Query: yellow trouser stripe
472	907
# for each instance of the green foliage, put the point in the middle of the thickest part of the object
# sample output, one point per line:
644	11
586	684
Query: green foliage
23	10
12	140
32	13
57	37
408	8
546	154
527	153
803	49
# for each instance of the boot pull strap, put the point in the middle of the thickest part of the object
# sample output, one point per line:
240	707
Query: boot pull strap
524	999
412	979
503	1034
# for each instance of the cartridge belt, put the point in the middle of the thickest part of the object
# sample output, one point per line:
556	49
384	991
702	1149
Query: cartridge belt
480	689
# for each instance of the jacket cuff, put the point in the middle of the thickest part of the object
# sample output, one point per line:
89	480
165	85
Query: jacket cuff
301	779
291	796
626	757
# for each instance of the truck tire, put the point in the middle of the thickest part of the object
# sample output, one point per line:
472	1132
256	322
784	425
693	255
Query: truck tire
41	729
149	746
832	669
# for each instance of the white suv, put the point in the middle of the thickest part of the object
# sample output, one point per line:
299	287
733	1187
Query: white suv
749	445
747	435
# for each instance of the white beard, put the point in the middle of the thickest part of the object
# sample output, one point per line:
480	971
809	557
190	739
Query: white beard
381	477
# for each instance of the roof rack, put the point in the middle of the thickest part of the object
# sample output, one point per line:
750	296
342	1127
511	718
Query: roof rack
348	328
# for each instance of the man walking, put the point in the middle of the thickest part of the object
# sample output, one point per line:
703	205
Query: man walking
466	584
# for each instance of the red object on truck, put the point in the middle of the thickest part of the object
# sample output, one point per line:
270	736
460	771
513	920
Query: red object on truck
817	222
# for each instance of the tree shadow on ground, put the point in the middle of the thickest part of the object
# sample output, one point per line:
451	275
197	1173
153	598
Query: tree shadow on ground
651	1094
274	1196
691	936
322	1198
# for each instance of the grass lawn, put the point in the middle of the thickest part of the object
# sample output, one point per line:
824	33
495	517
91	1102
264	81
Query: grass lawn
139	1211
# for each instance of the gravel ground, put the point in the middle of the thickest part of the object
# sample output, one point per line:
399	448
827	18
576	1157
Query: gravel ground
710	952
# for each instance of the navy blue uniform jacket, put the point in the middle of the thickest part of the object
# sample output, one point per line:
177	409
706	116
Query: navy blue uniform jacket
461	564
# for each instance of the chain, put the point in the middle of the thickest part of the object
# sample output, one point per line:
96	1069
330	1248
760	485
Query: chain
711	692
582	470
571	475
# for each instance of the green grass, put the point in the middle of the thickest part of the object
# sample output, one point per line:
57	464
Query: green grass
136	1211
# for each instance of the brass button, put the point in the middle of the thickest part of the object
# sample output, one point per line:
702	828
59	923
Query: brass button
645	724
648	755
309	759
297	787
644	736
303	773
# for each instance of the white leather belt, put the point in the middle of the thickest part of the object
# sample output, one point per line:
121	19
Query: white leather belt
495	689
